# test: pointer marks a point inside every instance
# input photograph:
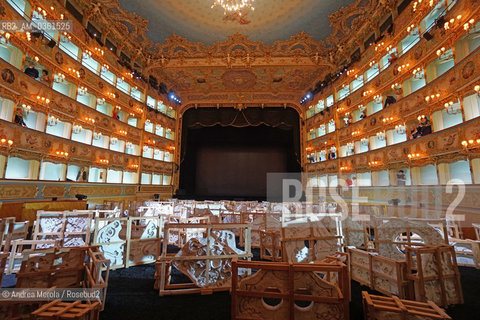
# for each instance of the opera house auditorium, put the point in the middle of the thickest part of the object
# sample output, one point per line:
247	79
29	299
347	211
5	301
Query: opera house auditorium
240	159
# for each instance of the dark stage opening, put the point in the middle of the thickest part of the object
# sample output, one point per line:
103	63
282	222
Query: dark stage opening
227	153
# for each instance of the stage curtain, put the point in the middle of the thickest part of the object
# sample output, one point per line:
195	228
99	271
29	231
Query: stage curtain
281	118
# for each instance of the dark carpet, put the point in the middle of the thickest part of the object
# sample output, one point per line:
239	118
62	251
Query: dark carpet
131	295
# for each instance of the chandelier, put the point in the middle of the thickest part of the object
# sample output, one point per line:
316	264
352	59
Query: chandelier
234	6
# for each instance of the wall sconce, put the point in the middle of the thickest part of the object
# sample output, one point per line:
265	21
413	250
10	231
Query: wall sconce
82	91
471	143
97	135
5	37
43	100
403	67
308	149
418	73
41	11
26	108
360	107
52	121
113	141
387	119
74	72
372	63
91	120
66	36
396	86
77	129
411	28
444	54
400	129
374	163
123	132
432	97
103	161
366	93
356	133
469	24
133	166
377	98
99	51
350	145
453	23
61	154
59	77
111	95
364	141
100	101
140	110
345	168
379	45
381	135
477	89
414	156
6	143
453	108
105	67
350	72
87	54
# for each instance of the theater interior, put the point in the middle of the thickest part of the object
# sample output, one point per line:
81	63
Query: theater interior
240	159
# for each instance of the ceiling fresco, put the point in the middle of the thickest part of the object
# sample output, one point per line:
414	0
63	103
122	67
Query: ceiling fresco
271	20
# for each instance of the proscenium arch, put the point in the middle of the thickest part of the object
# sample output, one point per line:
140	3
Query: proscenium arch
184	108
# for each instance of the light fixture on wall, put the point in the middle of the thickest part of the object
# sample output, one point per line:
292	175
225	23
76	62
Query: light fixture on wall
82	91
400	129
6	143
396	86
381	135
350	145
388	119
477	89
378	98
103	161
444	54
52	121
97	135
418	73
364	141
26	108
374	163
59	77
414	156
471	143
43	100
100	101
123	132
356	133
114	141
5	38
62	154
432	97
453	108
91	120
77	129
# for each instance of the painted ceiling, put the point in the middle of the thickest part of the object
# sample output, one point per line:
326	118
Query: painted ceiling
271	20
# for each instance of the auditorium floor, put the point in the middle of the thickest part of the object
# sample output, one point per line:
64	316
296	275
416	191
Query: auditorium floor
131	295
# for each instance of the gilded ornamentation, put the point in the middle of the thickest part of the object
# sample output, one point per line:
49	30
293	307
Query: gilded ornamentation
18	191
51	191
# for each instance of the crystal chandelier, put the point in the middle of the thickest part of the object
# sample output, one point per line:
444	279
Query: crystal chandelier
234	6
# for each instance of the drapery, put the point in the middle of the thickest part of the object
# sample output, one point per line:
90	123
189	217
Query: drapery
281	118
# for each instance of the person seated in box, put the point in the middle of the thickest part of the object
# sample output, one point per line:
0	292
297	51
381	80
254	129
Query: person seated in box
19	117
31	71
363	115
401	178
424	127
389	100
